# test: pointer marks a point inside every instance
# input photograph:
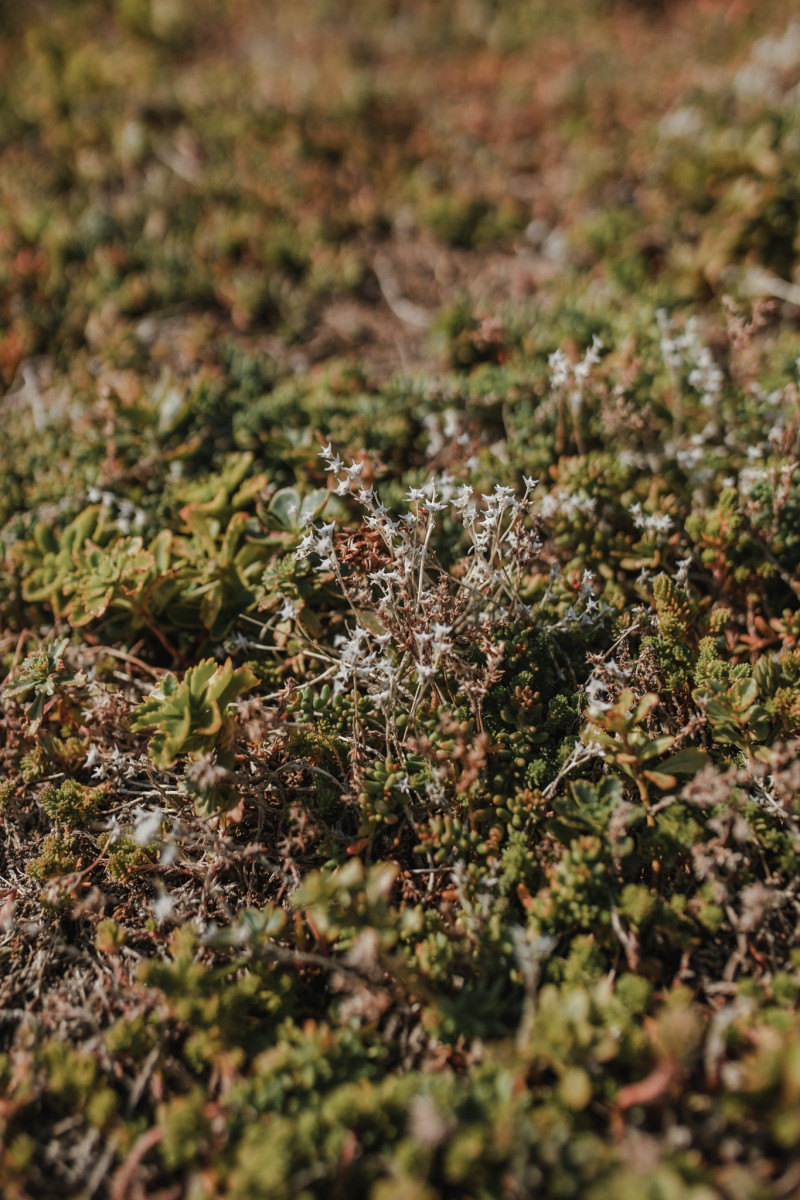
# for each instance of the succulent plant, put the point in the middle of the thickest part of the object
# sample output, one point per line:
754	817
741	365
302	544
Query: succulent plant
194	715
44	682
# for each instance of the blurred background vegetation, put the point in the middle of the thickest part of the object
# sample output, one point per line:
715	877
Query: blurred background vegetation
174	174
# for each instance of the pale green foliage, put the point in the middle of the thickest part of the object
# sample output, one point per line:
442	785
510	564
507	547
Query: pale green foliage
193	716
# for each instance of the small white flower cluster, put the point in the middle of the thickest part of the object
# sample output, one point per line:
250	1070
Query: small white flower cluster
146	824
599	684
749	477
681	576
698	456
687	351
499	536
588	609
658	523
683	124
349	475
706	377
128	515
375	668
413	632
319	540
163	907
115	763
567	504
573	376
289	610
772	70
442	429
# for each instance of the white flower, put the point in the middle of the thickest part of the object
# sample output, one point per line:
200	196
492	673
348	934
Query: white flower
168	854
582	369
332	461
92	757
595	689
289	610
560	369
682	574
162	907
441	643
114	828
451	422
650	522
146	824
463	496
616	671
306	545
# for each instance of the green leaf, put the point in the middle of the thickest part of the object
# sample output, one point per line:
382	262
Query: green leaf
284	508
660	779
686	762
658	746
190	717
645	706
744	693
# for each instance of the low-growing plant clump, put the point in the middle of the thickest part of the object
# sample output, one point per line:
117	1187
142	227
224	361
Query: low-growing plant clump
400	788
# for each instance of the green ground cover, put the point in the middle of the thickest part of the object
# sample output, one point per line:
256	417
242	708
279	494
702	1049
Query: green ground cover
399	603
